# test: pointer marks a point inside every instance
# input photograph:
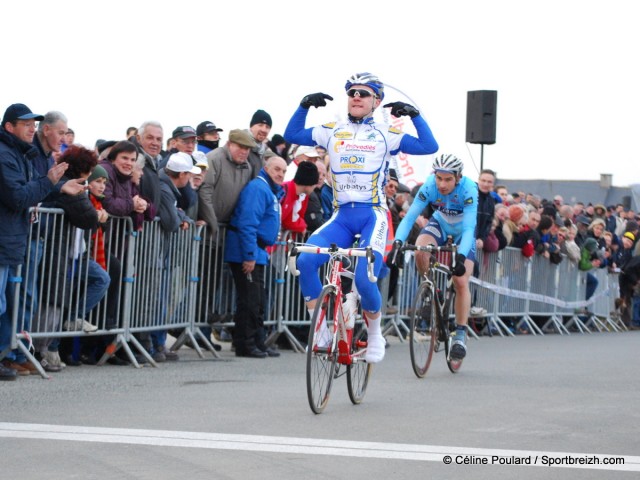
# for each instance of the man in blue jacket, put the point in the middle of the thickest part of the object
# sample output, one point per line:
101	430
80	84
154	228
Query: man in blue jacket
254	226
20	189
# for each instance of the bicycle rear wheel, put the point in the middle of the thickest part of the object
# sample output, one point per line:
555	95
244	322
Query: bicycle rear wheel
423	335
321	351
359	371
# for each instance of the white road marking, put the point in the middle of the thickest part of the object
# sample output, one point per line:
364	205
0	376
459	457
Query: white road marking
311	446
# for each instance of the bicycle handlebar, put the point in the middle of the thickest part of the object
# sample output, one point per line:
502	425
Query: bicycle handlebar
334	251
430	248
450	248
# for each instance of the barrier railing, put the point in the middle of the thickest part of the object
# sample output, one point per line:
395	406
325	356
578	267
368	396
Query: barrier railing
179	282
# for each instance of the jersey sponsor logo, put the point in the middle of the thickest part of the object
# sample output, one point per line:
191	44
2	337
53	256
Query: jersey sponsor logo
433	231
344	147
422	196
351	162
350	187
394	130
343	135
450	212
371	136
379	239
329	125
469	201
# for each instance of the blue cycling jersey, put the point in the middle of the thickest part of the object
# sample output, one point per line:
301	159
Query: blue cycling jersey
456	213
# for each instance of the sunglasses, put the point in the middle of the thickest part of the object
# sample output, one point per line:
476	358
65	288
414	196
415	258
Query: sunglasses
359	92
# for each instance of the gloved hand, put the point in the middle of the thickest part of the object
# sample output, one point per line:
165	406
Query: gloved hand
394	258
459	270
315	100
399	109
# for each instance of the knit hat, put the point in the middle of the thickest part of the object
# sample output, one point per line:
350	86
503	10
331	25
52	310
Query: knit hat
277	139
590	244
516	213
306	174
98	172
630	236
261	117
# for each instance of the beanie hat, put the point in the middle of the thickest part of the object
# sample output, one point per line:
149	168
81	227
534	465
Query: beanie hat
516	213
306	174
261	117
590	244
630	236
278	139
98	172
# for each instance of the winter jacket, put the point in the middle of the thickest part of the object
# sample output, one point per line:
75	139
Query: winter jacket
20	189
79	213
169	210
255	223
289	200
486	210
118	197
221	187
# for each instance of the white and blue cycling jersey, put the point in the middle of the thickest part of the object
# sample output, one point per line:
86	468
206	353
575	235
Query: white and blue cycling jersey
359	156
456	213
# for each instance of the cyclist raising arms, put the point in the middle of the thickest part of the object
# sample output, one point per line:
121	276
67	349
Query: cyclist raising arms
359	150
454	200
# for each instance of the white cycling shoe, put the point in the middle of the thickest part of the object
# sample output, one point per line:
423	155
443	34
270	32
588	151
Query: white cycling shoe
375	348
324	337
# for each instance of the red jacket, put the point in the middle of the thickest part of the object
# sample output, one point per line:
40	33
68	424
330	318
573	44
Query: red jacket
287	203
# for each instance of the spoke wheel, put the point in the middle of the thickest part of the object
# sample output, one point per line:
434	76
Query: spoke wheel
453	364
321	351
423	334
359	371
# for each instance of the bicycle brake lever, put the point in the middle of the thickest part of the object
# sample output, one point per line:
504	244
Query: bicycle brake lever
291	262
371	258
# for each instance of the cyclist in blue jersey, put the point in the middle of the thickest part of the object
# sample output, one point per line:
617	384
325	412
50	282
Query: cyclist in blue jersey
359	151
454	200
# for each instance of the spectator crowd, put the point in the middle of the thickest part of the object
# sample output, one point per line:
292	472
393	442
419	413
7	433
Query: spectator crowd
256	184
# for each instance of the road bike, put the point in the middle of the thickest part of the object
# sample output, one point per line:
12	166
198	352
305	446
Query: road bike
431	325
335	340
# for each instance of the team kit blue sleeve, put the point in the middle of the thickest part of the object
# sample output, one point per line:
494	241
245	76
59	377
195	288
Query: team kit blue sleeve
295	131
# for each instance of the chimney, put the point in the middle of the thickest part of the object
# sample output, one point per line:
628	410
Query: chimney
606	180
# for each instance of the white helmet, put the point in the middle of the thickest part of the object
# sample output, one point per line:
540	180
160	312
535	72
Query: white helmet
448	163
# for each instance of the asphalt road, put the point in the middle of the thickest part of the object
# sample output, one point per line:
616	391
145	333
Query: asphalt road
536	399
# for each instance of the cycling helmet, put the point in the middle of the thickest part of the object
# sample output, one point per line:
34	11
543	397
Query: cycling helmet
448	163
368	79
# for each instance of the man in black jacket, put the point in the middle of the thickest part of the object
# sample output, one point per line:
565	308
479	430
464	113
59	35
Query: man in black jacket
486	206
20	189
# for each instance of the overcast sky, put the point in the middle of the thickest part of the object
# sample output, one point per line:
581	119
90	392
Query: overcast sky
566	71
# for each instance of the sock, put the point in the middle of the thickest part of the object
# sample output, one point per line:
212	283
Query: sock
310	310
373	324
461	332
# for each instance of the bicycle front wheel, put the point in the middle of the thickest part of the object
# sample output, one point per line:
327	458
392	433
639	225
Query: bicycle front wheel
423	335
358	371
453	364
322	351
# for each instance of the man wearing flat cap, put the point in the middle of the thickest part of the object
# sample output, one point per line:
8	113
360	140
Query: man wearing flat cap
229	172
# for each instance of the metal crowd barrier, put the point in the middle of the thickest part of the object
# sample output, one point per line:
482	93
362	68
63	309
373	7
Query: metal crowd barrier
179	282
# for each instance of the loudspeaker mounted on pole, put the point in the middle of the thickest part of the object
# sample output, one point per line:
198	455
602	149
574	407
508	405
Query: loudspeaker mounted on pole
481	118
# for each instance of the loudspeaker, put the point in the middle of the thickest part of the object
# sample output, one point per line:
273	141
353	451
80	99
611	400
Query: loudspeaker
481	116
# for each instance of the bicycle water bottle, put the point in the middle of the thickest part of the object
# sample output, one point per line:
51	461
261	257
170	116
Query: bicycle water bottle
350	309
